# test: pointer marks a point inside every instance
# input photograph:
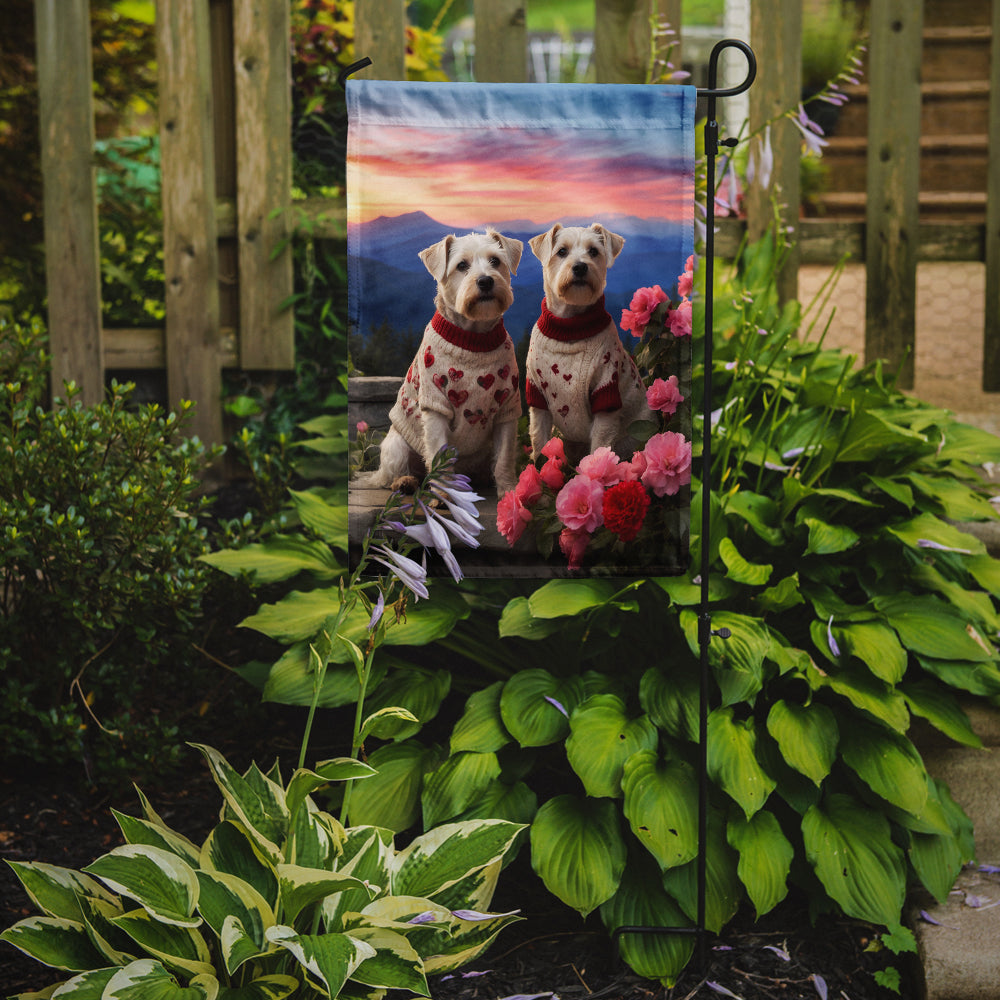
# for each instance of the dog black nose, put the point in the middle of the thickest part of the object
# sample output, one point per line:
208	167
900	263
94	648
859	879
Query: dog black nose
485	283
580	270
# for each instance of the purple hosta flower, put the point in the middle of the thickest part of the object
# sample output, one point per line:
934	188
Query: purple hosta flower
475	915
831	642
989	869
927	543
377	612
811	132
719	988
820	983
465	975
761	163
927	918
531	996
409	571
780	952
558	705
427	917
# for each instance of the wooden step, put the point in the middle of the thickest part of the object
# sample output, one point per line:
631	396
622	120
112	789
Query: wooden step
940	13
957	206
946	162
956	53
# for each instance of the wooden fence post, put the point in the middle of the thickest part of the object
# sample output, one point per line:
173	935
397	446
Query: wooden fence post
190	251
892	214
991	331
501	41
262	61
623	35
72	255
776	36
380	34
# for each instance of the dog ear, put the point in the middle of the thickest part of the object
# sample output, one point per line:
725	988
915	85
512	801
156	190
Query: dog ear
435	258
541	245
512	248
612	241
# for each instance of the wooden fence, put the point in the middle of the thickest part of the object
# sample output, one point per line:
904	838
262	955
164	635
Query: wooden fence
226	161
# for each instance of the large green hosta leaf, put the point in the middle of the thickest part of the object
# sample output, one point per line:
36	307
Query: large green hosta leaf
765	858
738	661
601	740
807	736
661	806
924	528
456	784
739	569
641	901
418	690
888	763
559	598
932	628
391	798
940	707
578	851
279	558
732	760
850	847
481	728
876	645
535	706
671	699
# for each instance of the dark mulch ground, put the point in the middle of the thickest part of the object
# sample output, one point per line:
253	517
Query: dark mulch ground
550	952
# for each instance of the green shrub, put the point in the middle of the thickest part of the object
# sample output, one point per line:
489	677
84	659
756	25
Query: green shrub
101	584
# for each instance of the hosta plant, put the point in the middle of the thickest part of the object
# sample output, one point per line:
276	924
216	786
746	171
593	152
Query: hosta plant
279	900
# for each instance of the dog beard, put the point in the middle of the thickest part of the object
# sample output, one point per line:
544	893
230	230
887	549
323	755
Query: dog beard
579	291
477	305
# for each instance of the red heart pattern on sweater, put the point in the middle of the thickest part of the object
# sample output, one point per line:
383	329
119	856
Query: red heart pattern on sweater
457	396
486	380
428	358
454	375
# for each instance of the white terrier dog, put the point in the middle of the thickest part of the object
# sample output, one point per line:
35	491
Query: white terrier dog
580	379
462	388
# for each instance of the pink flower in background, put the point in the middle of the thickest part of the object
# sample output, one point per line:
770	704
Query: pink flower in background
680	320
552	474
361	426
601	466
644	301
529	486
512	516
664	396
668	463
633	470
573	545
580	503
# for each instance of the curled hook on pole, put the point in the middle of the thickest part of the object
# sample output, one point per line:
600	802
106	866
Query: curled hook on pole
349	70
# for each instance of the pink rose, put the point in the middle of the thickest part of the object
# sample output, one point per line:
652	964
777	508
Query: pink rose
552	474
361	426
668	463
573	545
664	396
579	504
601	466
680	320
512	516
555	449
685	283
689	264
529	486
633	470
640	310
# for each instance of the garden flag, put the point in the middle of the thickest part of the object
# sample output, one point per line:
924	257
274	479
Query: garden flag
580	195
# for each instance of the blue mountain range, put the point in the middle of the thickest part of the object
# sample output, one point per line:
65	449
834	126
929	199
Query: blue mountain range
389	283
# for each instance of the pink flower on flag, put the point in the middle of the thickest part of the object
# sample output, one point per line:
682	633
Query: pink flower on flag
668	463
555	449
580	504
552	474
633	470
680	320
529	486
512	516
636	318
664	396
573	545
602	466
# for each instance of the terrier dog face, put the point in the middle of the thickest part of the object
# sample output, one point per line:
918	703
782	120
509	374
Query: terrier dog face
575	262
473	274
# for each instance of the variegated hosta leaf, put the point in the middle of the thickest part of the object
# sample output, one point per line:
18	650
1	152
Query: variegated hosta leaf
807	736
54	941
602	738
395	964
467	940
158	880
86	986
732	760
391	799
274	987
304	782
329	959
230	849
301	887
367	853
141	831
535	706
481	727
578	851
723	889
765	858
256	801
456	784
850	848
441	857
642	902
888	763
225	897
476	890
99	915
661	805
315	838
177	947
56	891
147	979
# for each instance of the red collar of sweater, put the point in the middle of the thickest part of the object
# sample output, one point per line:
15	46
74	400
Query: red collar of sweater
478	342
592	320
